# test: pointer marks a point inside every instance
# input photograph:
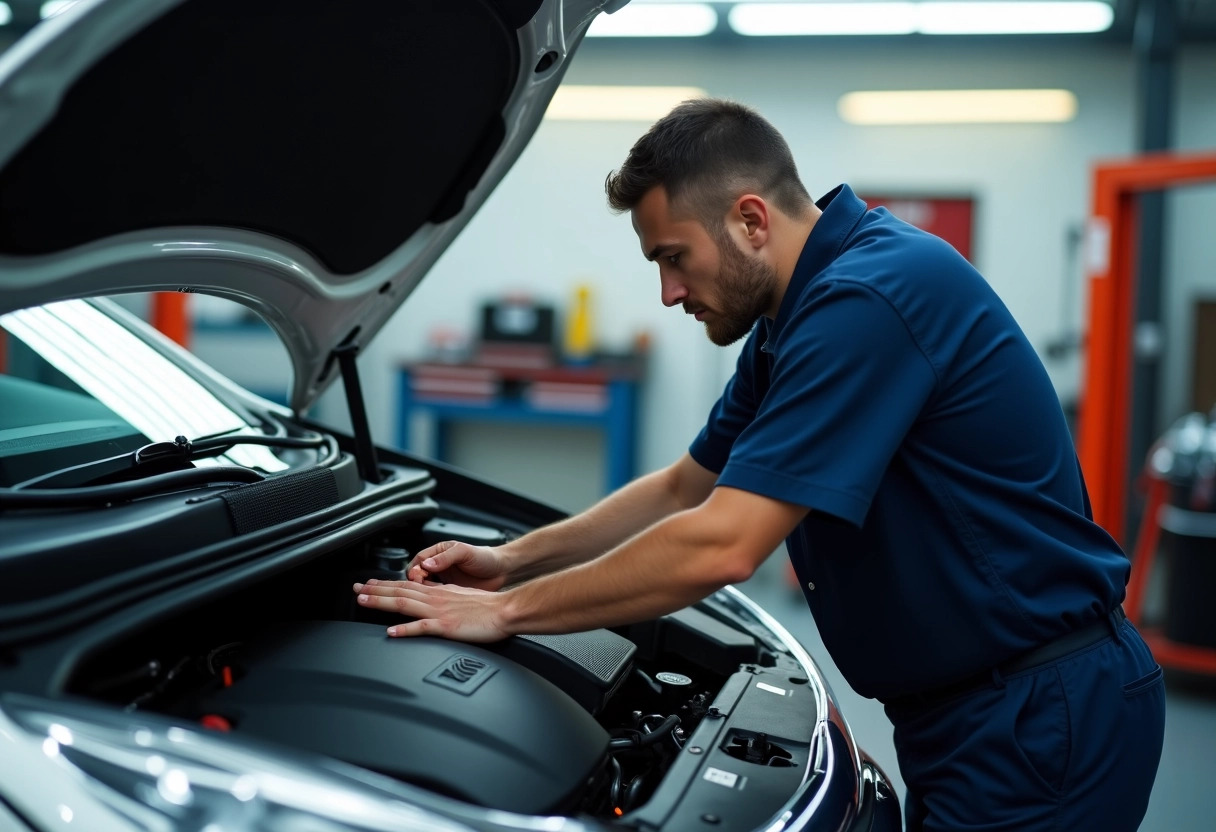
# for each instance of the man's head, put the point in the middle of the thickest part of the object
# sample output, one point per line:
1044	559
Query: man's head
705	153
706	186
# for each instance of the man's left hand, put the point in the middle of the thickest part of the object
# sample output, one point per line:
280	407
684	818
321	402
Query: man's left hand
445	610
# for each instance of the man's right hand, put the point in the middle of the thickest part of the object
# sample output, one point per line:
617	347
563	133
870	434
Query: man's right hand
453	562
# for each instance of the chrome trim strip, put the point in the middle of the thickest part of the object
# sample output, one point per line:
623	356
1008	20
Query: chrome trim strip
800	810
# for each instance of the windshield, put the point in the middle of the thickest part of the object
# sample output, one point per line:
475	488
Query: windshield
78	383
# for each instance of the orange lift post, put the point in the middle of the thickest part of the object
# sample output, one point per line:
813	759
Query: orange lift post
1103	423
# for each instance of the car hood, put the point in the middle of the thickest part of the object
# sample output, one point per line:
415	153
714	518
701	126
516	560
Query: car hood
309	160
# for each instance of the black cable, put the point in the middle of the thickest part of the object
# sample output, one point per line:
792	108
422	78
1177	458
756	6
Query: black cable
226	442
631	793
332	452
218	445
648	681
646	721
641	740
614	790
210	659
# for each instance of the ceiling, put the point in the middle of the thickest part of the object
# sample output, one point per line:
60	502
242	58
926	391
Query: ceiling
1196	21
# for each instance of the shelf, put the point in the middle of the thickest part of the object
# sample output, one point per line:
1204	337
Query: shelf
602	396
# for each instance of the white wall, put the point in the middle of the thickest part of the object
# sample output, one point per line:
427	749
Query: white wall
547	226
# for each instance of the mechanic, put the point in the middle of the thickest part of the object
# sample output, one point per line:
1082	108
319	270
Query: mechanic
889	420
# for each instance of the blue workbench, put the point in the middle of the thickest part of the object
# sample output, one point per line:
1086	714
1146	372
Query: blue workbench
601	396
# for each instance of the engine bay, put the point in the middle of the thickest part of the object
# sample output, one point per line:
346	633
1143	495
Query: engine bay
677	723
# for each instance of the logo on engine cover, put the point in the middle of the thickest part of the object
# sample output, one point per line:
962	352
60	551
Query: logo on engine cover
463	674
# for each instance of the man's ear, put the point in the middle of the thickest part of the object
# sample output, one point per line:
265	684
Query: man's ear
750	214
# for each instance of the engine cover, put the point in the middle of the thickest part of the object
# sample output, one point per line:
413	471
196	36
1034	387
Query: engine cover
455	718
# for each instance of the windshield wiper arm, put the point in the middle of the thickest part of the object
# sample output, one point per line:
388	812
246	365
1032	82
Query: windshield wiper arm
161	456
157	458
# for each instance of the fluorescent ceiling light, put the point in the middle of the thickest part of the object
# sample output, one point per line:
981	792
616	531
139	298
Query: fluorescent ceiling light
656	20
930	18
957	106
6	13
823	18
591	103
53	7
1014	18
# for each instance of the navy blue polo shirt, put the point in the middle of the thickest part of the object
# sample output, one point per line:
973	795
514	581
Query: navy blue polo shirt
895	396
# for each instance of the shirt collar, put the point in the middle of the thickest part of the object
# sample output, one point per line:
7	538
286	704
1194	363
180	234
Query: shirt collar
842	210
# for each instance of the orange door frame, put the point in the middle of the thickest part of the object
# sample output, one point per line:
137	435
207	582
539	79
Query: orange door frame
1103	420
1104	417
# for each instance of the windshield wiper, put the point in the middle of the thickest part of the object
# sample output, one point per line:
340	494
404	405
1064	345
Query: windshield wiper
156	458
156	468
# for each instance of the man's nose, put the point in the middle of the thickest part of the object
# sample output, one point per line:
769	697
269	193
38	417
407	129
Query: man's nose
672	290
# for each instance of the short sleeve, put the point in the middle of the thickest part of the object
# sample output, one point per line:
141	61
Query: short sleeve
737	407
848	381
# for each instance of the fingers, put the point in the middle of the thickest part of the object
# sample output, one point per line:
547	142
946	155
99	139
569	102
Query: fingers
375	586
386	587
418	575
405	598
462	613
379	587
420	627
430	561
440	556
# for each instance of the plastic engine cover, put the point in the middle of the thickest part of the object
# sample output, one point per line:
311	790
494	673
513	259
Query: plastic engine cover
452	717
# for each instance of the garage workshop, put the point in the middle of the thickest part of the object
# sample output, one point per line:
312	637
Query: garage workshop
607	415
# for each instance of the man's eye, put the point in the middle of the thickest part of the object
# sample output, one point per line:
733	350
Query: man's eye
673	259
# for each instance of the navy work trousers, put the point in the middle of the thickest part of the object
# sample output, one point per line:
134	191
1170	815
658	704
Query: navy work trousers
1069	745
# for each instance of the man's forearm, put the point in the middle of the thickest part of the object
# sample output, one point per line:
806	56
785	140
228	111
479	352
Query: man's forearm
685	484
660	570
595	531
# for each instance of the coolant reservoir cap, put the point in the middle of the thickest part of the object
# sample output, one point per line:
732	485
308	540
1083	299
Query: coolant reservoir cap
668	678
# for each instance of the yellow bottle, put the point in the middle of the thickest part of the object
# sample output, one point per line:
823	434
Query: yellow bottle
580	340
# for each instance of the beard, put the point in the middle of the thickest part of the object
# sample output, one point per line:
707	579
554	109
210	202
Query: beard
745	288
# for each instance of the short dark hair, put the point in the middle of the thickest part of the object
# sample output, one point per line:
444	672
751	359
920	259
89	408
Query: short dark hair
706	153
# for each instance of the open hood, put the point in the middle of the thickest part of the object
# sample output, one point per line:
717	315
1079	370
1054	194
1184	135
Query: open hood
310	160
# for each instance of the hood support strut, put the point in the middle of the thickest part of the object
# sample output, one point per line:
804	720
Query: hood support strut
365	449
